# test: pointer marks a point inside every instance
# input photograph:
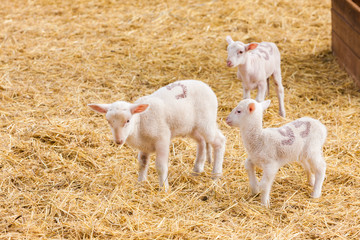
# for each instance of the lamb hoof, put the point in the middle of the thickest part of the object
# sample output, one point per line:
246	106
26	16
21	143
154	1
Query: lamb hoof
266	204
195	174
215	176
282	114
255	192
315	195
198	170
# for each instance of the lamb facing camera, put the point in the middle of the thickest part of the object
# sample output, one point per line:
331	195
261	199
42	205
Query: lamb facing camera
270	148
182	108
256	62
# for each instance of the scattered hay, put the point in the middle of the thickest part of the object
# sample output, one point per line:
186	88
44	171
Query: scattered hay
62	177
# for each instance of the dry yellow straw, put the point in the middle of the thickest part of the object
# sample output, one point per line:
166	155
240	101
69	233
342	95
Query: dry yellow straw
61	176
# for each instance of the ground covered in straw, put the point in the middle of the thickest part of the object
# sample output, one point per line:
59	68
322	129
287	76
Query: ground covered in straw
62	177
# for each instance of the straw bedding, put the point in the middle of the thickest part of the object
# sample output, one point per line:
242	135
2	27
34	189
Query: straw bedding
61	176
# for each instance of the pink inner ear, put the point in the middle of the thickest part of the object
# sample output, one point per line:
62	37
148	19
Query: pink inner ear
140	108
98	108
251	107
252	46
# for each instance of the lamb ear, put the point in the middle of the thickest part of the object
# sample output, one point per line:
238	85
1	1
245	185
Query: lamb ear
251	46
139	108
229	40
251	107
265	104
100	108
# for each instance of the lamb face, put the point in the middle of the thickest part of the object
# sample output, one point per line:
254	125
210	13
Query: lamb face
120	117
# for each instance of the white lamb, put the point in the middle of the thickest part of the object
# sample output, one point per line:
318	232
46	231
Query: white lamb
256	63
182	108
271	148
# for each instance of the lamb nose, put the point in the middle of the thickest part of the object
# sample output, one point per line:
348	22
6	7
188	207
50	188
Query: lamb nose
228	120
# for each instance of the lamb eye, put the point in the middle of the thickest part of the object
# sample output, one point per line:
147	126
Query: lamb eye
239	111
240	52
127	121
